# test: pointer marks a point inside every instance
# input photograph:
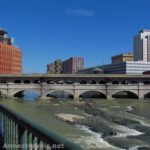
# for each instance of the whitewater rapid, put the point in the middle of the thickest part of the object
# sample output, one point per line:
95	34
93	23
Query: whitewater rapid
94	140
123	131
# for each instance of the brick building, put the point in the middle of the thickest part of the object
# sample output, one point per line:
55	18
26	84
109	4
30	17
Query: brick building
73	65
10	57
55	68
69	66
122	58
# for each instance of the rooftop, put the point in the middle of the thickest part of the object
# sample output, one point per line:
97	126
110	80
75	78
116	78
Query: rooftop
144	30
124	54
3	31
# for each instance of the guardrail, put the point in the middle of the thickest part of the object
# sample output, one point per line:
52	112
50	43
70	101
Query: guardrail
20	133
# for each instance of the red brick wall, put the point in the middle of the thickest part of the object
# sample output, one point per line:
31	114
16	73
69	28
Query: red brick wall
10	59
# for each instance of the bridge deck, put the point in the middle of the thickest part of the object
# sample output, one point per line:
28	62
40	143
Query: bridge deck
77	75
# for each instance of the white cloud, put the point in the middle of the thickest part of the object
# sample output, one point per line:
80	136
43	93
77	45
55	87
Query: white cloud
79	12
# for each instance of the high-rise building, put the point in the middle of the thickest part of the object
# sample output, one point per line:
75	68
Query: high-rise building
73	65
58	66
51	68
55	68
122	58
142	46
10	57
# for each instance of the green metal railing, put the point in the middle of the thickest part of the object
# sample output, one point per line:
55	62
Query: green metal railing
20	133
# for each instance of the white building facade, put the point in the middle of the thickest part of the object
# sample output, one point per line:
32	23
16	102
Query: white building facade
141	48
128	67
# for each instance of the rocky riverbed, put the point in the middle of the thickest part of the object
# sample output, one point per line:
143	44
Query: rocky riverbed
109	125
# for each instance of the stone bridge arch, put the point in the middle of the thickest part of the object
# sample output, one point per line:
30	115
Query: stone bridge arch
3	94
131	93
146	94
22	90
81	92
69	92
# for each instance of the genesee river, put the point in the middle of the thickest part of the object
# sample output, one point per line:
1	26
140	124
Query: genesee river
103	125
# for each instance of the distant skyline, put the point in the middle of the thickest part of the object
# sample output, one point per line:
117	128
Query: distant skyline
46	30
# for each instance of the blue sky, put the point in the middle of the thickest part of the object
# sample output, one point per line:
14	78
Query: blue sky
95	29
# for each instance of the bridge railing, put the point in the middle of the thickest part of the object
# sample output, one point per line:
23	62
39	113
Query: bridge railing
20	133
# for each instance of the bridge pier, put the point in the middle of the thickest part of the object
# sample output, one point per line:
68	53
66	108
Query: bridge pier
43	97
108	97
10	96
76	94
141	91
140	95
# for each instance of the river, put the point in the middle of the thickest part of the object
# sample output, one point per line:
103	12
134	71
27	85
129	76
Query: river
129	119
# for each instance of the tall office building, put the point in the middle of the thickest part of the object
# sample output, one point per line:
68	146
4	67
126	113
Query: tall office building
55	68
73	65
10	57
51	68
69	66
58	66
142	46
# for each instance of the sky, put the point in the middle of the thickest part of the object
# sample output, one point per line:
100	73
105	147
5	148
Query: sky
46	30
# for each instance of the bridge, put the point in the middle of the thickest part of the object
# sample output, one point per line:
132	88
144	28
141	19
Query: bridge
77	85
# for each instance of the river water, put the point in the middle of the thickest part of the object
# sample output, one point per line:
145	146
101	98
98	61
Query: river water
132	132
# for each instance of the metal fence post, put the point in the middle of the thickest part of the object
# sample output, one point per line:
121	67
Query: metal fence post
21	136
